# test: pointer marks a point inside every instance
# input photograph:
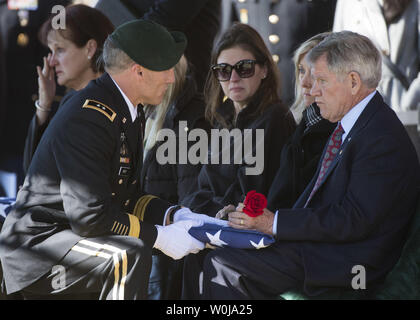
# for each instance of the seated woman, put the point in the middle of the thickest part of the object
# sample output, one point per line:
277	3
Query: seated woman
74	59
172	182
243	71
301	154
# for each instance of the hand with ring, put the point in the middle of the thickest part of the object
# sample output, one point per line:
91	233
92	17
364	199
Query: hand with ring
240	220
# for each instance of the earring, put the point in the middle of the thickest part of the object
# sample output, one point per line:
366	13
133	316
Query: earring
89	57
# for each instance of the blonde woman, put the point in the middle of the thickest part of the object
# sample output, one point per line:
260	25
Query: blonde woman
300	156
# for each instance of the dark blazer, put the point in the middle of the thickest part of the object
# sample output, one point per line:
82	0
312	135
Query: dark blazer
298	163
77	186
361	211
174	181
223	184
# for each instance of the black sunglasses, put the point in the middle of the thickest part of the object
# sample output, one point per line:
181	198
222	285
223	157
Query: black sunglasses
244	68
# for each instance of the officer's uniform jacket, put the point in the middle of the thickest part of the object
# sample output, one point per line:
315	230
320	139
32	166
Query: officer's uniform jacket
82	182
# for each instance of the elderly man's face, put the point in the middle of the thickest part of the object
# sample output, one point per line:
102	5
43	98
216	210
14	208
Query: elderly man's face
155	85
332	94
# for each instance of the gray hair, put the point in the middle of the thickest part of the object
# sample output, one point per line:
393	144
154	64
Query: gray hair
348	51
114	59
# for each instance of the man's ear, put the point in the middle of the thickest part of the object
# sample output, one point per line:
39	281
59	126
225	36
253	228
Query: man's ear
355	81
137	69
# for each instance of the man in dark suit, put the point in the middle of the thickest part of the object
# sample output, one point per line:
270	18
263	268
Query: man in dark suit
354	213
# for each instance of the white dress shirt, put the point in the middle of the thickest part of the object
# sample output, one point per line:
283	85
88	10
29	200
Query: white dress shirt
131	107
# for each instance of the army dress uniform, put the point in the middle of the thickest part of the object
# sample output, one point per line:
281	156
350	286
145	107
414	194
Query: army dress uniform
81	207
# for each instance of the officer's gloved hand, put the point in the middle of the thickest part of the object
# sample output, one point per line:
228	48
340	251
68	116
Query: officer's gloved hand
186	214
175	241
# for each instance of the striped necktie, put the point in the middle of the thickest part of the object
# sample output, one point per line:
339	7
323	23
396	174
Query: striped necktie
334	145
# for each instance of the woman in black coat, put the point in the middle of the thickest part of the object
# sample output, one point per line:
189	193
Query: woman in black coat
301	154
241	94
74	60
182	104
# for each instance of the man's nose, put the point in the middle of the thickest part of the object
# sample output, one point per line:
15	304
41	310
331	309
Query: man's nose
315	89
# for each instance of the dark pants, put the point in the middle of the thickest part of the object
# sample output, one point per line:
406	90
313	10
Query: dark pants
112	268
243	274
165	280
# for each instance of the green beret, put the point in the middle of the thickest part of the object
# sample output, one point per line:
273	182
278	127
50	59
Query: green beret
149	44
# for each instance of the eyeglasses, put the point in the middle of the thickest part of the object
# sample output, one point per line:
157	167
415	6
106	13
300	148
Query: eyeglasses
244	68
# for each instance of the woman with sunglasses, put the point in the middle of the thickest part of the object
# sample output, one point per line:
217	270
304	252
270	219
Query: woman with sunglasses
74	61
241	92
301	154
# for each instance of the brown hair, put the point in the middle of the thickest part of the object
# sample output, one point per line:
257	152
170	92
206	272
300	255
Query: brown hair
82	24
247	38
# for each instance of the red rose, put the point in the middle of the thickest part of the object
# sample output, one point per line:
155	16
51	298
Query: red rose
254	204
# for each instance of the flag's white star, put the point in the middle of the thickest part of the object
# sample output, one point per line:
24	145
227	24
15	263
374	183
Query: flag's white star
259	245
215	239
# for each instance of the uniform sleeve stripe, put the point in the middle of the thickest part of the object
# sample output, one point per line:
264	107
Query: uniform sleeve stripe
141	206
134	226
119	228
124	231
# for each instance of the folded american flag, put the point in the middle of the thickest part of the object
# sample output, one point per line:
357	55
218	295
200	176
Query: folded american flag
221	236
5	207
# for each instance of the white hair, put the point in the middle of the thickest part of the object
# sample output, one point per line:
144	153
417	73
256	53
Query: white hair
348	51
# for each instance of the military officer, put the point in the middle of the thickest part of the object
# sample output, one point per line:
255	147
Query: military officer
284	25
80	223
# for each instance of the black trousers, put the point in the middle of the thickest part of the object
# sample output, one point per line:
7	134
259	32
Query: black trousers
111	268
165	280
228	273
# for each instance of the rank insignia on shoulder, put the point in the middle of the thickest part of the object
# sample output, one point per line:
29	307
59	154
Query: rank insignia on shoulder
102	108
